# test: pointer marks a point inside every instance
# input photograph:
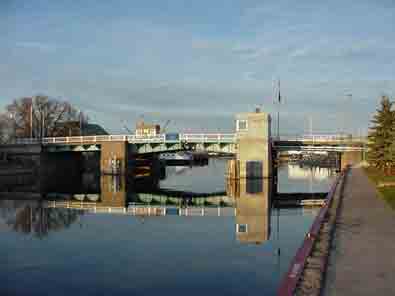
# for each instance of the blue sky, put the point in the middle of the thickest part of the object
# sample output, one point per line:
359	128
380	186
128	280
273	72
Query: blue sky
200	62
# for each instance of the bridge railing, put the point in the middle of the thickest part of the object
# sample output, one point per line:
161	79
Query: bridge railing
102	138
132	139
26	141
212	137
189	137
162	138
322	138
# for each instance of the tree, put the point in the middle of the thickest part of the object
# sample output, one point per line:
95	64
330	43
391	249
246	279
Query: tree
41	116
5	128
381	152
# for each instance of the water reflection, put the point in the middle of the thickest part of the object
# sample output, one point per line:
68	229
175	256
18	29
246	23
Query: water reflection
294	177
211	239
252	198
249	200
33	217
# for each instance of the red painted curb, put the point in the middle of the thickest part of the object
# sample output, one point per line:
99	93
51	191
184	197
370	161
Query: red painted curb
292	277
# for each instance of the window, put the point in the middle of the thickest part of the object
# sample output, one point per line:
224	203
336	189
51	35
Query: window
242	125
241	228
254	169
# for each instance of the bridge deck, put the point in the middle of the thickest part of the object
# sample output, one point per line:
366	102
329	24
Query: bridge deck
225	142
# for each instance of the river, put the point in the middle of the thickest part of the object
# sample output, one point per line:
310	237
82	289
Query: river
220	238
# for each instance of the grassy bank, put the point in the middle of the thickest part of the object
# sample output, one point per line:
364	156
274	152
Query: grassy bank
388	193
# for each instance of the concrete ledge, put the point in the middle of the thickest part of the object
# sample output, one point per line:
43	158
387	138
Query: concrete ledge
386	184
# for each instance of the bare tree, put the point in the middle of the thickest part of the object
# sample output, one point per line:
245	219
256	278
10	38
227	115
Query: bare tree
5	129
41	116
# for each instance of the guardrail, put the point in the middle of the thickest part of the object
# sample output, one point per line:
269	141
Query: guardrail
143	210
322	138
208	137
292	277
198	138
187	137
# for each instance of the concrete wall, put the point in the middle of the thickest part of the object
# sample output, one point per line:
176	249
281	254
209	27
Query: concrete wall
114	157
350	158
254	145
113	191
253	210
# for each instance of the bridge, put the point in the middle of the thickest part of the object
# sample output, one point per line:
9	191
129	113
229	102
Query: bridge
210	142
252	144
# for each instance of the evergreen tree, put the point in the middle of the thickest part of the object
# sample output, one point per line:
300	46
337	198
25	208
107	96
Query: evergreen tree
381	146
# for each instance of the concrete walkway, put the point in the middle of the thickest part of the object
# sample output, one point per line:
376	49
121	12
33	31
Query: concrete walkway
362	260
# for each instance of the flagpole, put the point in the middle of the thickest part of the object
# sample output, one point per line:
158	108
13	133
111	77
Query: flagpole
31	118
278	111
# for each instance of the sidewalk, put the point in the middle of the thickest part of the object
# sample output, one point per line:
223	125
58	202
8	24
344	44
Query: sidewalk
362	258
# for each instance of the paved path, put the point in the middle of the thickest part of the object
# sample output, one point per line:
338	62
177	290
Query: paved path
363	254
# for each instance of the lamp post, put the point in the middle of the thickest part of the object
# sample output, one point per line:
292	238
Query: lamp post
12	118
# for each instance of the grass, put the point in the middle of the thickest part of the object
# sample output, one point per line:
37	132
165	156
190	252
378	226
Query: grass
388	192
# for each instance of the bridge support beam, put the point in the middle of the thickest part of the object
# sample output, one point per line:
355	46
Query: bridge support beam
113	191
254	151
114	158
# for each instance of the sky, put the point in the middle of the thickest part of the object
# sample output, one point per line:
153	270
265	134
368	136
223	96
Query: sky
198	63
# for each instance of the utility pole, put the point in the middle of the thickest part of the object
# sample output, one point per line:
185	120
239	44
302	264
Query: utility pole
278	110
31	118
80	118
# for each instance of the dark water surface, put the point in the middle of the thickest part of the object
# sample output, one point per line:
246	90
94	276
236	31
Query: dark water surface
227	245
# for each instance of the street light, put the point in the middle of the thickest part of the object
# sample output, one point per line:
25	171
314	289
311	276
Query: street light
12	117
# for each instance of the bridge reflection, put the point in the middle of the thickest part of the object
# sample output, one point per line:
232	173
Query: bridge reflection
248	200
34	218
253	209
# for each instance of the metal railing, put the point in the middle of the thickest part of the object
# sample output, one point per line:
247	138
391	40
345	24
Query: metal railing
144	210
188	138
198	138
335	138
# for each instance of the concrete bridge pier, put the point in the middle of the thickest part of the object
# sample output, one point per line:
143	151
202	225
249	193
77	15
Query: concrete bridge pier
253	208
254	149
350	158
113	191
114	158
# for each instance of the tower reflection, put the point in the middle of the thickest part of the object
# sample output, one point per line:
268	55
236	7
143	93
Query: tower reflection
253	209
113	191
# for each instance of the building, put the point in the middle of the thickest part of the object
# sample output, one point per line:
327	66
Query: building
147	130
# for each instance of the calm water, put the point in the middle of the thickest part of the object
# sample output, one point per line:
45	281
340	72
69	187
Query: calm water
225	244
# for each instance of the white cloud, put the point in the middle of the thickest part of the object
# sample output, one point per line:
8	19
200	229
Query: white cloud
44	47
249	76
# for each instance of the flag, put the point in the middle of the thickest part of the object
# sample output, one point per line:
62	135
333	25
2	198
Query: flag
279	92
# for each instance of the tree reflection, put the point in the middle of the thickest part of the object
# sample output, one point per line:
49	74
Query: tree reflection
34	218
